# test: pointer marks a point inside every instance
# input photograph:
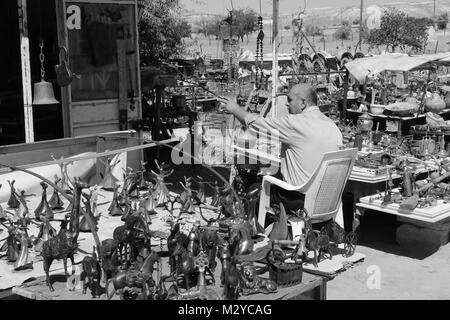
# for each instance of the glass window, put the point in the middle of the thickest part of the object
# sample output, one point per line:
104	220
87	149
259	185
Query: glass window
104	29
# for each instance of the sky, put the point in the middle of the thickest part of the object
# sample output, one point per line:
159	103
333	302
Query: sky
286	6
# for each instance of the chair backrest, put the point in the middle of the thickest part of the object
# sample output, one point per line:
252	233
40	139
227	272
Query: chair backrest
325	188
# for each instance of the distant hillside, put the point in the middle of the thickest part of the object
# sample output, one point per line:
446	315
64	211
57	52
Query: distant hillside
333	16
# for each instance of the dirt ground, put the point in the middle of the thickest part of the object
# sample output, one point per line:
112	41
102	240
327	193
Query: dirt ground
404	273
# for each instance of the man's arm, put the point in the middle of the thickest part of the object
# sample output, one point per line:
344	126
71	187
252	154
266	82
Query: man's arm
276	127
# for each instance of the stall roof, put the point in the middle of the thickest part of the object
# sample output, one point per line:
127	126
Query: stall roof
364	67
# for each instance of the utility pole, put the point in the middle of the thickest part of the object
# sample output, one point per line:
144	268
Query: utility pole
360	25
275	35
434	10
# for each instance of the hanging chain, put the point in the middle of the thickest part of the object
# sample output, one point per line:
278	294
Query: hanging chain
41	58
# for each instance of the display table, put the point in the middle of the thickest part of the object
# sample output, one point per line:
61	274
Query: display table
430	214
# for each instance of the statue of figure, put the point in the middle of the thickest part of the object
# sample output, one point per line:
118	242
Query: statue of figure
142	183
217	194
186	197
13	202
55	201
109	180
64	175
43	207
150	200
161	191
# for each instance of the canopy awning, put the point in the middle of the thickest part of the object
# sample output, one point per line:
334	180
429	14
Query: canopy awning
370	66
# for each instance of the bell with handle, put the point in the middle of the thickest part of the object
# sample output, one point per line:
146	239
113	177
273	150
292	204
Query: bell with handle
43	90
43	93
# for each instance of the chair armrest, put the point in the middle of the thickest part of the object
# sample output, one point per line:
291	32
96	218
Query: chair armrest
283	184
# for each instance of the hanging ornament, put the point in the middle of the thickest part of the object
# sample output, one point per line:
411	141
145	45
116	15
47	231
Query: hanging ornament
43	90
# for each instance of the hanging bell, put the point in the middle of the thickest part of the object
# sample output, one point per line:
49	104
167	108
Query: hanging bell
43	93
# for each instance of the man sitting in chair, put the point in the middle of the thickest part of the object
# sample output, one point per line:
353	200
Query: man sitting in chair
306	134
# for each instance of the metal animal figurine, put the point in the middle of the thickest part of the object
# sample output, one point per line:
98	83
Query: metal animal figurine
55	201
13	202
209	241
65	243
46	232
122	236
175	233
43	207
138	280
317	242
337	236
109	258
250	283
91	274
240	240
224	256
185	264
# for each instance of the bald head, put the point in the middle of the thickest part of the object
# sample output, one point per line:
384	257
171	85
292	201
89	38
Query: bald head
301	96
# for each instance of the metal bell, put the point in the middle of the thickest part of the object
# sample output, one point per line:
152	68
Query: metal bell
43	93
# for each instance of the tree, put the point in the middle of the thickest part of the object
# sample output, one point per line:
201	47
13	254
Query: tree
313	30
442	21
344	32
397	30
245	22
161	31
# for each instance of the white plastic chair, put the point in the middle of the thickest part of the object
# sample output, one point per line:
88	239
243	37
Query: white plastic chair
322	192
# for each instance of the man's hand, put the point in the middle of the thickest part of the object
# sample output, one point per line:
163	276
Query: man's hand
232	107
229	104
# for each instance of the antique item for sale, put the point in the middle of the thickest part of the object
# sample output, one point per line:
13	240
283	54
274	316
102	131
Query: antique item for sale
200	196
11	245
84	225
435	104
240	240
365	122
187	197
150	202
217	194
109	258
43	207
337	236
91	274
128	210
22	210
23	262
64	76
250	283
137	282
142	185
13	202
55	201
282	273
46	231
185	262
209	241
65	243
64	176
172	240
161	186
109	181
115	209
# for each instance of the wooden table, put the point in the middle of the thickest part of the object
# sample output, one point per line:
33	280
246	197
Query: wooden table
312	288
